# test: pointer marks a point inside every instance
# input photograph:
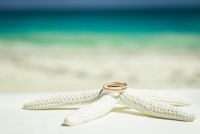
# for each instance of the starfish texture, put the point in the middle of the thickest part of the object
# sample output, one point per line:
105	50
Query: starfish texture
60	100
150	103
149	106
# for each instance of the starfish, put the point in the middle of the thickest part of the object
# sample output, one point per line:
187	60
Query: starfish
103	100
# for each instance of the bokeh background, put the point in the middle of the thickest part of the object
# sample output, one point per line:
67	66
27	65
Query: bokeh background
56	45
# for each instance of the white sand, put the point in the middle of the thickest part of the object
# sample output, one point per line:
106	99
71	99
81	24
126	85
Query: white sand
58	69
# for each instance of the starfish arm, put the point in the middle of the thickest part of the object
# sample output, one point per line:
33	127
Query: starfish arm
160	96
156	109
99	108
68	98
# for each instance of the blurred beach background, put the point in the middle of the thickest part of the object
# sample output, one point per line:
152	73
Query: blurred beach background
61	45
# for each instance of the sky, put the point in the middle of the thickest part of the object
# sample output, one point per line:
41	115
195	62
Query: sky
87	4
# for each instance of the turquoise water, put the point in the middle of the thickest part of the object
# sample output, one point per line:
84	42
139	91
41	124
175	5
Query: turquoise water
161	27
101	21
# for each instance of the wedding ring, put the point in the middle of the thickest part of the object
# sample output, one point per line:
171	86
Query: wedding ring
115	87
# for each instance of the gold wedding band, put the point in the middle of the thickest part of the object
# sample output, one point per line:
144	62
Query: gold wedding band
115	87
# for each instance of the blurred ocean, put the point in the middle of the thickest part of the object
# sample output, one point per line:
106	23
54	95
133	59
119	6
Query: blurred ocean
139	28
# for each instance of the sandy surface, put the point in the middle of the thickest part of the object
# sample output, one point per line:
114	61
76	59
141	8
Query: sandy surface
119	121
58	69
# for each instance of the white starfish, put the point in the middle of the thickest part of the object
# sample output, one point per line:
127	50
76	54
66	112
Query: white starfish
104	100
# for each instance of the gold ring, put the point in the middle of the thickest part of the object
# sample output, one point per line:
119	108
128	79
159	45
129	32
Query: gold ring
118	87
